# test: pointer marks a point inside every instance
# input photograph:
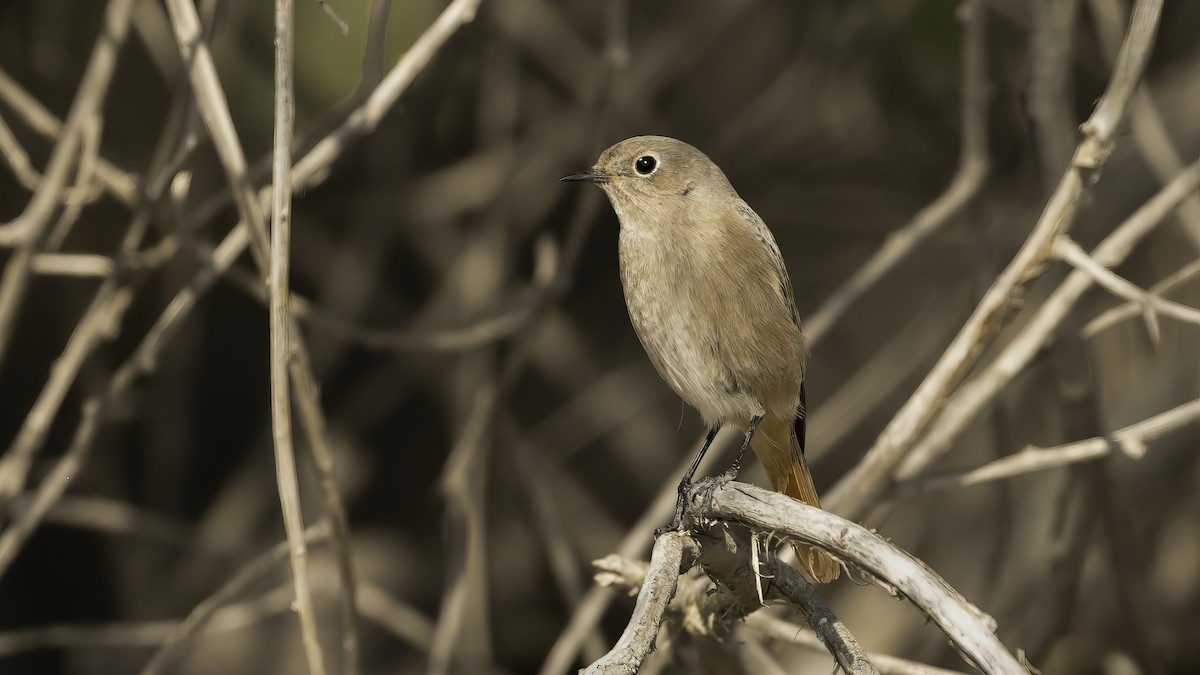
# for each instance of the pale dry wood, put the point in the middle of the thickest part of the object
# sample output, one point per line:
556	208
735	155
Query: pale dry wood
974	396
595	602
463	486
964	624
397	618
281	341
1067	250
73	265
102	320
736	575
1145	121
30	229
834	634
973	165
140	362
552	528
1130	440
84	191
171	650
1129	310
785	631
658	587
170	320
120	184
859	488
17	158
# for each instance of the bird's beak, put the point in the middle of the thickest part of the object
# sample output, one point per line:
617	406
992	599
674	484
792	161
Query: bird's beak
589	176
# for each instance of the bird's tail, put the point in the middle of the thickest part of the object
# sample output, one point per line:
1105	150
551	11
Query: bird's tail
777	448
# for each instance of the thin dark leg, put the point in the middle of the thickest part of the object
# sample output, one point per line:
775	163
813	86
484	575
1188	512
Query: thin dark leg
687	481
737	463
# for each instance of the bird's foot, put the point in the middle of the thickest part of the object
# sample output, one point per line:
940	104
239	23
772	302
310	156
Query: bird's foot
680	504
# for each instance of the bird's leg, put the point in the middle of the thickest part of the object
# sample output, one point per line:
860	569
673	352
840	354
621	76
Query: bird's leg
686	483
732	473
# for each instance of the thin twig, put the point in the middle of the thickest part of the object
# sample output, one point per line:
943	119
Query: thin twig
786	631
169	653
591	609
73	265
563	562
1067	250
973	396
972	170
1131	440
103	317
463	485
312	168
376	48
141	361
18	159
661	581
280	328
1149	131
32	227
83	192
1131	309
214	110
828	627
120	184
852	495
396	618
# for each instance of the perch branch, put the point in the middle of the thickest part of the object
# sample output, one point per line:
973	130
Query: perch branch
965	625
658	587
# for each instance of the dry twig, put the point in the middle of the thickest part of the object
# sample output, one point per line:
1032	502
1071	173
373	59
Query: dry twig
281	344
857	489
1130	440
968	179
974	396
31	229
968	628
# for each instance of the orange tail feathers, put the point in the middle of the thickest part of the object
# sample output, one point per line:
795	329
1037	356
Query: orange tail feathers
776	446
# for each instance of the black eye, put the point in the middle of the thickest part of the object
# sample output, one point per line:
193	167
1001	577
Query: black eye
645	165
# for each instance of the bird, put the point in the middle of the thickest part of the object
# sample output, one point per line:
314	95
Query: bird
713	306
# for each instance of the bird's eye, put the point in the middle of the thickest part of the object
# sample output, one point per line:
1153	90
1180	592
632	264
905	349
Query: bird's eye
645	165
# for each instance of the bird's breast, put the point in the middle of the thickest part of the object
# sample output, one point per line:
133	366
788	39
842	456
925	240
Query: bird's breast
723	351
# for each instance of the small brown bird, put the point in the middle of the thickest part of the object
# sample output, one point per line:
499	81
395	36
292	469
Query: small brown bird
712	304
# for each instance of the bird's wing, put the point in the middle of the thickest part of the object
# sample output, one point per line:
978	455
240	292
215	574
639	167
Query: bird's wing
783	282
801	426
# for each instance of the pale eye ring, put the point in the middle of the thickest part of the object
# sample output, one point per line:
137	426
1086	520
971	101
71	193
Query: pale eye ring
645	165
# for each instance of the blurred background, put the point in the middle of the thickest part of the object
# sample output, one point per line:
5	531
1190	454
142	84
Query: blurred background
495	425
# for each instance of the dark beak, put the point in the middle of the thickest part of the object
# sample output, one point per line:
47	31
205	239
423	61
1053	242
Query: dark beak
589	176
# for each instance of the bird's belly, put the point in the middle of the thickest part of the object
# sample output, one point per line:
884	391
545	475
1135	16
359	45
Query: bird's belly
689	349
